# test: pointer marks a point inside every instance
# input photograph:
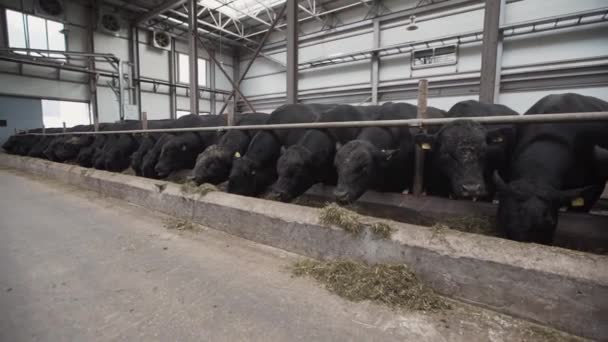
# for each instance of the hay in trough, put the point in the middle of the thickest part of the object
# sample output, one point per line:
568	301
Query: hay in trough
192	188
333	214
483	225
393	285
178	224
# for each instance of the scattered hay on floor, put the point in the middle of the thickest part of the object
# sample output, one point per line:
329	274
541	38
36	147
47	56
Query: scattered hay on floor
382	229
393	285
190	187
546	334
483	225
179	224
333	214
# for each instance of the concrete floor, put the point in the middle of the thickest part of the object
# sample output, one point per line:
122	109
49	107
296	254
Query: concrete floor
75	266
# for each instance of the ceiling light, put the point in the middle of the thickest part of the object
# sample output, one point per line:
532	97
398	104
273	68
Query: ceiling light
412	25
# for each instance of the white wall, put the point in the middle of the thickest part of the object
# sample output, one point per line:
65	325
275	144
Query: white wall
43	82
568	50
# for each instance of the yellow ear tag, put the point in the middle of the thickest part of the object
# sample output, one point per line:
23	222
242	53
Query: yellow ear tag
237	155
497	140
426	146
578	202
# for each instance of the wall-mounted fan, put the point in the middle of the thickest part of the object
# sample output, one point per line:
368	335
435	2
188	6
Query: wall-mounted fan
161	40
110	23
49	8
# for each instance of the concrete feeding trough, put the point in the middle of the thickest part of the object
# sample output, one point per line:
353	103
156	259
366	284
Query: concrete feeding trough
577	231
564	289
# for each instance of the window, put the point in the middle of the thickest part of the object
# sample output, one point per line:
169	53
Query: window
28	31
179	113
2	123
183	70
444	55
55	113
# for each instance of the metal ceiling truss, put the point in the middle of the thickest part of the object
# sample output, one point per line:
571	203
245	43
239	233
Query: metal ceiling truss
245	28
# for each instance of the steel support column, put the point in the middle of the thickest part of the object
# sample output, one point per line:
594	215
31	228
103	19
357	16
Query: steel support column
193	31
236	71
235	87
91	65
212	97
236	58
491	52
172	82
135	91
292	52
375	70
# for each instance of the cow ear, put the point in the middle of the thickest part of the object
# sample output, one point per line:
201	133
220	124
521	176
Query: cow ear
501	186
385	157
338	146
575	197
600	159
499	136
425	141
283	149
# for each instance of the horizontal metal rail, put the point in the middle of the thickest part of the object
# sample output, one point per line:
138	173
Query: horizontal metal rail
503	119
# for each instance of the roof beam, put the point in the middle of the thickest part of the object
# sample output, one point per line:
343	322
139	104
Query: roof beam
164	7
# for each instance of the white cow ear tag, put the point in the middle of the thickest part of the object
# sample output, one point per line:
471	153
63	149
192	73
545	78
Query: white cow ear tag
578	202
497	140
237	154
425	146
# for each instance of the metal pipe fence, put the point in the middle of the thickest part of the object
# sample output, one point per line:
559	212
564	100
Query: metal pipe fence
419	123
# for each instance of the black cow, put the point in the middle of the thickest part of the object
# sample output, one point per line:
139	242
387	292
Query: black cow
50	152
214	164
310	160
465	153
146	143
69	148
553	166
22	144
252	173
380	158
180	152
117	148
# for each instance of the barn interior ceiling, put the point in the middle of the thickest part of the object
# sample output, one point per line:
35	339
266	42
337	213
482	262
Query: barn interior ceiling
243	22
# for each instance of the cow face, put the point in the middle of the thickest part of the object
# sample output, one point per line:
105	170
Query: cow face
463	151
117	156
359	164
242	177
295	175
69	148
213	165
528	210
173	156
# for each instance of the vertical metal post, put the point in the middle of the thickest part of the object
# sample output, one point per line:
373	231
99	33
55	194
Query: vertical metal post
375	70
292	52
43	130
423	89
491	52
64	128
236	70
211	72
91	64
144	120
172	82
135	90
193	30
121	91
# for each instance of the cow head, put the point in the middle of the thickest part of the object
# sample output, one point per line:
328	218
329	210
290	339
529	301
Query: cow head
462	151
358	164
213	165
295	174
528	209
117	157
70	147
249	178
176	154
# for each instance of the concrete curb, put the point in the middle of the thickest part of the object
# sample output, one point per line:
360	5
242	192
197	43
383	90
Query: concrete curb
564	289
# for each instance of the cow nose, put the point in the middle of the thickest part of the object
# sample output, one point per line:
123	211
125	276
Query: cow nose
341	195
471	188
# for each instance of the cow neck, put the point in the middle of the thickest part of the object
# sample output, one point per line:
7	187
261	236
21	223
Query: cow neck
543	161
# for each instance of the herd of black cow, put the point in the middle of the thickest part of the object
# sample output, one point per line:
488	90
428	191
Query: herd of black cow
534	170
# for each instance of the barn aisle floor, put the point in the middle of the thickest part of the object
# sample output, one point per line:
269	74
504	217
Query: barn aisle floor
75	266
